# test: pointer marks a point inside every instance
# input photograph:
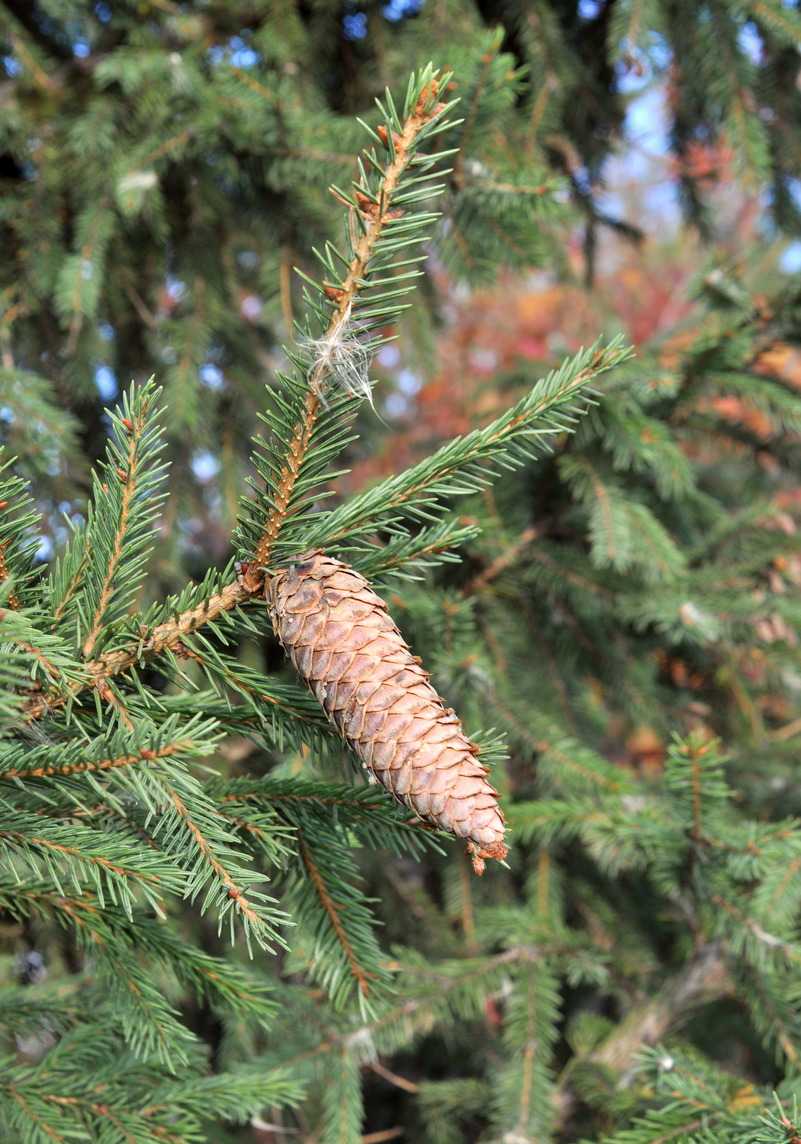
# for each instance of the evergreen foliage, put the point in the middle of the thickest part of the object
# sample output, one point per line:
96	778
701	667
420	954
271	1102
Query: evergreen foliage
211	927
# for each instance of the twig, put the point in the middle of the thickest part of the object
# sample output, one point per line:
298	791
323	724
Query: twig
788	731
376	215
470	118
247	912
164	637
705	979
502	562
331	908
112	763
127	477
393	1078
13	598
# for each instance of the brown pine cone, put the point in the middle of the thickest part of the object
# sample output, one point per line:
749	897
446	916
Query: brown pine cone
340	638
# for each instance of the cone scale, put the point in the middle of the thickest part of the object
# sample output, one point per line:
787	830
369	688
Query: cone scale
345	645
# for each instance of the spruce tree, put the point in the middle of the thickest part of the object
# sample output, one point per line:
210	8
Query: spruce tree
195	861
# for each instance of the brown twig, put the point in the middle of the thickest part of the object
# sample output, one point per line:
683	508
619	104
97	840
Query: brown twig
285	279
704	979
164	637
60	849
329	905
129	488
36	652
110	764
393	1078
472	111
382	1136
375	215
246	910
788	731
13	598
502	562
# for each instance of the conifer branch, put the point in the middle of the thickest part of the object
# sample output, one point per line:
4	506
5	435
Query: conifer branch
695	772
165	637
549	404
507	559
74	302
604	502
359	973
705	978
604	778
72	586
50	847
167	147
433	985
768	941
541	556
771	1013
13	598
472	111
127	477
462	465
633	26
36	1119
393	1078
109	764
37	654
371	213
530	1052
633	593
775	18
356	807
249	915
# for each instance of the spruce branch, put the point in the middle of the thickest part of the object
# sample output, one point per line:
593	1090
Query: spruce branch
75	579
110	763
431	992
63	848
335	915
114	544
378	230
510	556
371	212
11	598
221	983
43	672
18	523
307	806
706	978
164	637
473	107
293	469
218	870
93	1088
464	465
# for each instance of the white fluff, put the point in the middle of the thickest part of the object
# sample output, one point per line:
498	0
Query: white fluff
338	358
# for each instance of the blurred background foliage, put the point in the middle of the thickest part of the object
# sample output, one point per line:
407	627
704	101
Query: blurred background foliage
625	166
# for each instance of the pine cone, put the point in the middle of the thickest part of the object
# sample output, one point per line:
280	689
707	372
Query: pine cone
340	638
